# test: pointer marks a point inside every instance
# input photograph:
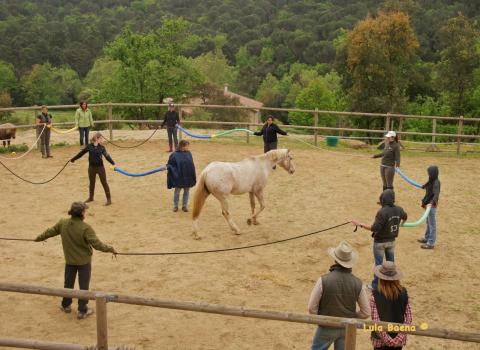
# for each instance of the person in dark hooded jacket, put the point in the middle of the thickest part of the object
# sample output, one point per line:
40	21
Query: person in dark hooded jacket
385	229
432	194
269	132
181	174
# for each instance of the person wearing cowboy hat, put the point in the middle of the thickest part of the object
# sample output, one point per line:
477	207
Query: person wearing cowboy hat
78	239
171	119
337	294
389	303
390	159
385	229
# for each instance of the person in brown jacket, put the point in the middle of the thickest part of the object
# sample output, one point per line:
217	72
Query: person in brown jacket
78	239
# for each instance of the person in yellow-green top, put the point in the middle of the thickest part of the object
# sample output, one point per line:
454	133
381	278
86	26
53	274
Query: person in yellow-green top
83	121
78	239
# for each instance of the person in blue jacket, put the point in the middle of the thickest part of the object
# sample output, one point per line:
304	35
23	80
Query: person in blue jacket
181	174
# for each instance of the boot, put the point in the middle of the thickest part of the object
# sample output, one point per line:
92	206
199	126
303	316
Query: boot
109	200
89	199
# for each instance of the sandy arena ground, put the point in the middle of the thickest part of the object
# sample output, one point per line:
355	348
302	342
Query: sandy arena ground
327	189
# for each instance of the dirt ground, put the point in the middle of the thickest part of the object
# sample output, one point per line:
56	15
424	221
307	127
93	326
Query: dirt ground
327	189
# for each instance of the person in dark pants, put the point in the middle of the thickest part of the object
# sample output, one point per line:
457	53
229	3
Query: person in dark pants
337	293
95	151
390	303
269	132
390	159
181	174
385	229
84	121
78	239
432	194
44	119
171	119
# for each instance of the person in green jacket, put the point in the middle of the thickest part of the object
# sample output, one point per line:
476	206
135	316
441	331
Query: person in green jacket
83	121
78	239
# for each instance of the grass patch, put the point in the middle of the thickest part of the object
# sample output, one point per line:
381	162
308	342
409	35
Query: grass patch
14	148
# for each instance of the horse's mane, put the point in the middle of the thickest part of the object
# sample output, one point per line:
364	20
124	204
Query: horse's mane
274	155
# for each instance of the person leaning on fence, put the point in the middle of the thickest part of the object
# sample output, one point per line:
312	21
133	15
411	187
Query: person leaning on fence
44	122
389	303
181	174
78	239
337	294
95	151
390	159
83	121
432	194
269	132
171	119
385	229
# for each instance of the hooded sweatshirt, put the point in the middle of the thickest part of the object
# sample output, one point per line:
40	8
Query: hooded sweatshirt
432	187
388	218
390	155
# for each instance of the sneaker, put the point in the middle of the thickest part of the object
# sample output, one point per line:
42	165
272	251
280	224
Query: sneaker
185	209
82	315
89	200
109	202
175	209
427	246
67	309
422	240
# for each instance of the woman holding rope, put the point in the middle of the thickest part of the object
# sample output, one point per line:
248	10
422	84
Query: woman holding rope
269	132
95	151
43	123
390	159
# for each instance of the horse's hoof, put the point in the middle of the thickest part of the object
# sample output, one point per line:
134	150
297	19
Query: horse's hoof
249	221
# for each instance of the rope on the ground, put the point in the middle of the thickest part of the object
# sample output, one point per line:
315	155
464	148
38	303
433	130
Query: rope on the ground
153	171
419	221
239	248
30	149
60	131
406	178
33	182
134	146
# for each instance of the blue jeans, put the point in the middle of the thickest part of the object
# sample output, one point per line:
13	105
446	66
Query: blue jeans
172	137
176	196
324	337
431	232
84	135
380	250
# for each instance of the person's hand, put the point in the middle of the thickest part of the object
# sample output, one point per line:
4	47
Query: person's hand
72	160
38	239
373	157
356	223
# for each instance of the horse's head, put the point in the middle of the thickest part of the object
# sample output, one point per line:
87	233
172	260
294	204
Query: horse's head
286	161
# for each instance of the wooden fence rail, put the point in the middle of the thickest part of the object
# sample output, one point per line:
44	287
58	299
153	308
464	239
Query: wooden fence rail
103	297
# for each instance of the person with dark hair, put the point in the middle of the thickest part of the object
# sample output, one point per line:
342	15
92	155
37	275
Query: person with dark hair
390	159
44	119
269	132
95	151
337	293
83	121
389	303
171	120
181	174
385	229
432	194
78	239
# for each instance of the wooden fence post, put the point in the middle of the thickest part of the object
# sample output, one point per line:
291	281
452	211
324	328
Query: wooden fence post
350	335
459	133
387	122
315	123
434	130
110	124
102	328
248	134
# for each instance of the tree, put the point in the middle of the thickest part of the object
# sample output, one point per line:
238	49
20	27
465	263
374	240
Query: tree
8	80
459	59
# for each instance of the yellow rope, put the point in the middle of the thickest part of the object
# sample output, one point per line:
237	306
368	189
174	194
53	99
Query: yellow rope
59	131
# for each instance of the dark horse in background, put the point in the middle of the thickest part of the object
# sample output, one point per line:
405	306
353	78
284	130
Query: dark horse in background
7	132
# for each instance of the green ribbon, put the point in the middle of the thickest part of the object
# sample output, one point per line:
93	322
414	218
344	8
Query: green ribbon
227	132
419	221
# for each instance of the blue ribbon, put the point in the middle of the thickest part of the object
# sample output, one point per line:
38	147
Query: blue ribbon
406	178
150	172
193	135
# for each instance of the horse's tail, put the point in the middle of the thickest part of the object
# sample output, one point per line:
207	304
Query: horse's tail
201	194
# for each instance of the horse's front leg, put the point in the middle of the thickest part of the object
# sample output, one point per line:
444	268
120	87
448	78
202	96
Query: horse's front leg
252	220
226	215
261	200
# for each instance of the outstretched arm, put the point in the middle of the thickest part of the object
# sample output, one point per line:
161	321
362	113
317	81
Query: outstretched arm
280	131
80	154
107	156
260	133
93	240
51	232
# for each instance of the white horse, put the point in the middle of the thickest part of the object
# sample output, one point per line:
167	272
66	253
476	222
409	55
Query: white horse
249	175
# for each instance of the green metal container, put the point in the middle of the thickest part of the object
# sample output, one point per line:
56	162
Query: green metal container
332	141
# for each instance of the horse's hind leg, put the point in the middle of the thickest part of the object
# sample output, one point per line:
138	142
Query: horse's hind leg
226	214
252	220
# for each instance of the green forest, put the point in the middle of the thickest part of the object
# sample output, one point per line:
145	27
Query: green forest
403	56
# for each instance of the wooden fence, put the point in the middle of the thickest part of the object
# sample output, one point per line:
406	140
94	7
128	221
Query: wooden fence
102	298
389	120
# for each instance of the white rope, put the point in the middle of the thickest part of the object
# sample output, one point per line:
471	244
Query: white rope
327	150
28	151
